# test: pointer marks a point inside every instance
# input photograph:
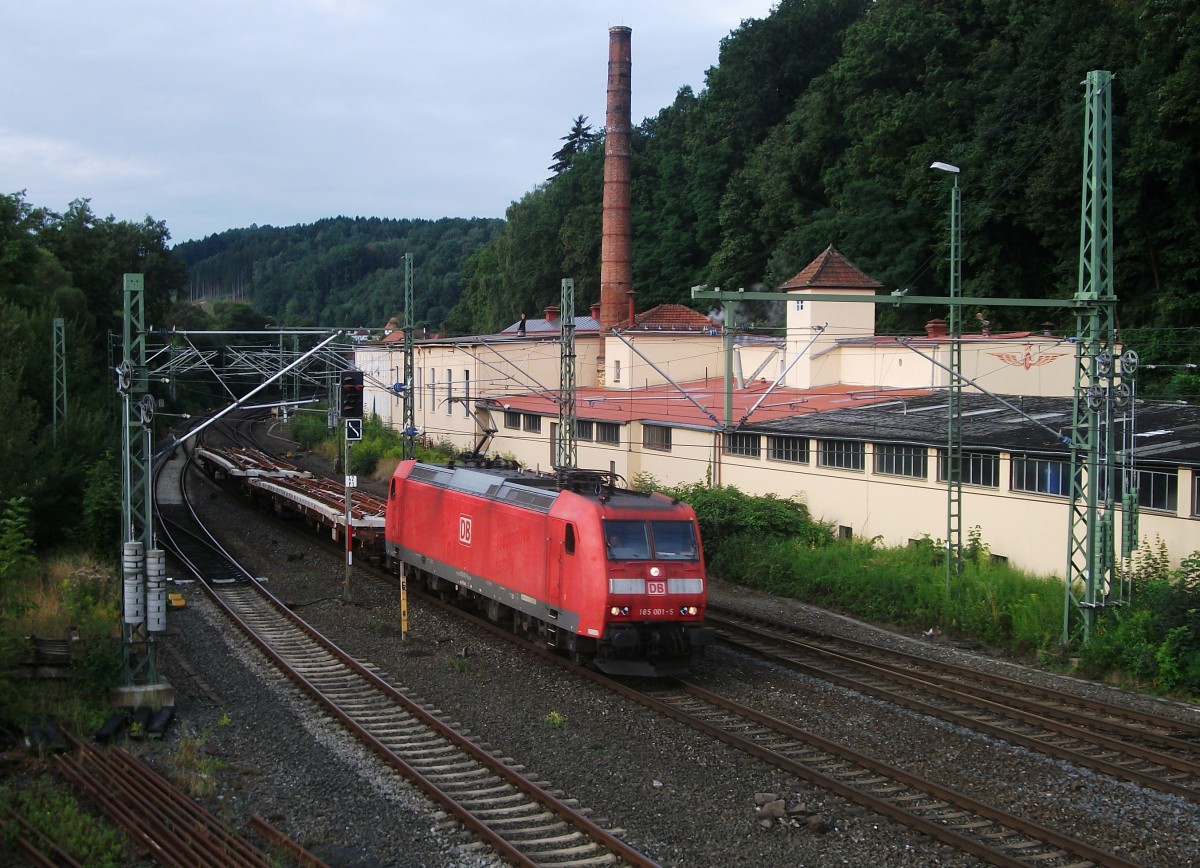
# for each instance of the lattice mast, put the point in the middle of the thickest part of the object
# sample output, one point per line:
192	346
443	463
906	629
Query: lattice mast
59	353
138	656
409	428
566	447
1091	576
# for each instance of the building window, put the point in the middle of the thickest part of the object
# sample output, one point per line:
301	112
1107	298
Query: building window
449	391
512	419
656	437
741	443
531	422
432	389
466	393
1041	475
616	370
799	305
895	460
608	432
978	468
583	430
1159	489
842	454
793	449
420	372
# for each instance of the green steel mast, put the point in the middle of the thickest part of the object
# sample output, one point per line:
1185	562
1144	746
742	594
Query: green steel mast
1091	575
566	447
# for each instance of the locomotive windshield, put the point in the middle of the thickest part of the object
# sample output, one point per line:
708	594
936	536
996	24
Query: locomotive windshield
650	540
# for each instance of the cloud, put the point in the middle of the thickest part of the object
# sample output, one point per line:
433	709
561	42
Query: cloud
65	161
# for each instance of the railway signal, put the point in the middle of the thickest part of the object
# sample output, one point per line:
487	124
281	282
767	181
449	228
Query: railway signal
352	394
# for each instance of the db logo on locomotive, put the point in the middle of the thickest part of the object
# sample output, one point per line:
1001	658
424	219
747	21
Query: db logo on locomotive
464	529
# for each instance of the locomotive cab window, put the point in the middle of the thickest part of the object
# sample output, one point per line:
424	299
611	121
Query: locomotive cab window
650	540
569	539
674	540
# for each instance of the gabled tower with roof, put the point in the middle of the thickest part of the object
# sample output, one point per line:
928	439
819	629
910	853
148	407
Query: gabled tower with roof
814	327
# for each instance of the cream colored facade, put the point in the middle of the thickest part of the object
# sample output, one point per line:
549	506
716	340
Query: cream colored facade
461	385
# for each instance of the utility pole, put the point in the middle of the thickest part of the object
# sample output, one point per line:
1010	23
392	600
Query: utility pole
59	352
1091	574
566	449
954	388
140	683
409	428
352	421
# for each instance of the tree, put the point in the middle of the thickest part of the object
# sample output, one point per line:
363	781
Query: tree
578	140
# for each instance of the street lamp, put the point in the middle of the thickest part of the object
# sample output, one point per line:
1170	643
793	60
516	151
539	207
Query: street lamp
954	392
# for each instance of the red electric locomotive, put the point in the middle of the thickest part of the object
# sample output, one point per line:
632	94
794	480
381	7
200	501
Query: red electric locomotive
606	574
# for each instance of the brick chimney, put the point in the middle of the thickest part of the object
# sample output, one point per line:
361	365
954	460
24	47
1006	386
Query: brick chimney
552	313
616	267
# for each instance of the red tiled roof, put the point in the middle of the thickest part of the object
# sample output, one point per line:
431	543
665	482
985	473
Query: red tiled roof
831	270
667	405
670	317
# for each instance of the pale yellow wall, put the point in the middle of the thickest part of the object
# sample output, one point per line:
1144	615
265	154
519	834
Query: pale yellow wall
817	326
1030	530
680	357
1025	367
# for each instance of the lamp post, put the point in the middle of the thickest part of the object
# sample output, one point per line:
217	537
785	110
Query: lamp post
954	392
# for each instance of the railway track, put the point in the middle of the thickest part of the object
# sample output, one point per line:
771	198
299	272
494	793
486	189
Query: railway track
1151	751
523	820
954	818
173	829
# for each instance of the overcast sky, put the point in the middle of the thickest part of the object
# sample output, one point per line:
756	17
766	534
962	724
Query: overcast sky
218	114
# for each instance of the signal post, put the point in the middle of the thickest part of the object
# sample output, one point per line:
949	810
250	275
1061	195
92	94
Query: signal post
352	416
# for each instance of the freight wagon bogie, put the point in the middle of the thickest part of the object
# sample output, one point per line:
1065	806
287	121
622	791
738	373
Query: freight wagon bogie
602	574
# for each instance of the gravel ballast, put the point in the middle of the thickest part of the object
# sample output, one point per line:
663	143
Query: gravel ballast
681	798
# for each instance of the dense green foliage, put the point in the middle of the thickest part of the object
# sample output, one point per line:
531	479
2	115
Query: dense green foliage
818	126
993	604
52	808
67	265
338	272
1156	640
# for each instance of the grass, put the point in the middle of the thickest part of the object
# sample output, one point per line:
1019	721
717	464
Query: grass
70	591
991	604
50	806
192	769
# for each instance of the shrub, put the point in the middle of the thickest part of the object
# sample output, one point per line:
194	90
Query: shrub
309	429
725	514
17	561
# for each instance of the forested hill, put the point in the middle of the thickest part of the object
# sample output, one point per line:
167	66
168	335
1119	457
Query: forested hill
819	125
341	271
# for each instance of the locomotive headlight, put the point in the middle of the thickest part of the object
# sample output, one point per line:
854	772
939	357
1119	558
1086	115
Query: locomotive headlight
615	610
655	571
624	610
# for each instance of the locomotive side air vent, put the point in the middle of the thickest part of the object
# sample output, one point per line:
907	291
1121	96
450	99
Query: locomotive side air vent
520	496
433	475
